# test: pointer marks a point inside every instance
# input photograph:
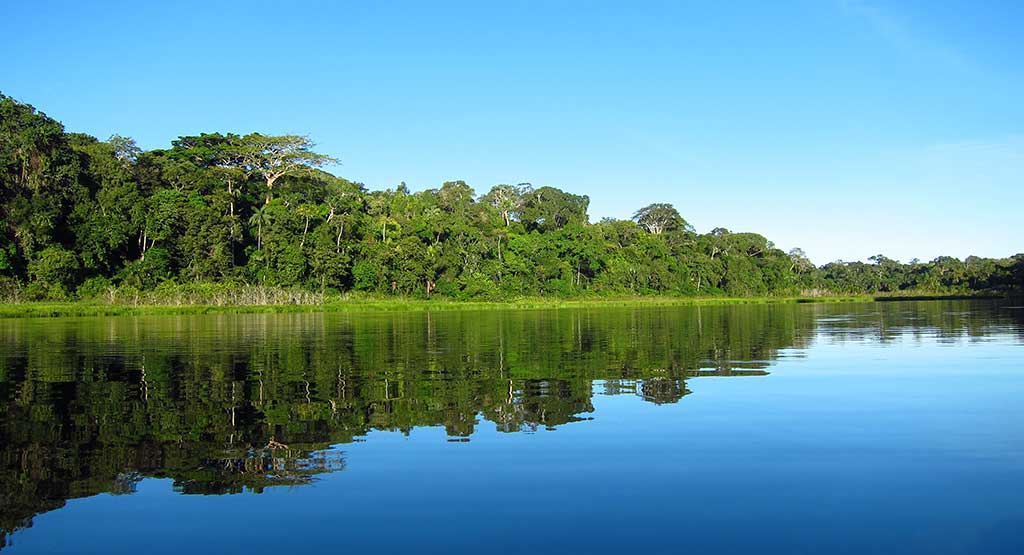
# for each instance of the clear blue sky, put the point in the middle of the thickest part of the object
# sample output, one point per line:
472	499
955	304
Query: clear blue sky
847	128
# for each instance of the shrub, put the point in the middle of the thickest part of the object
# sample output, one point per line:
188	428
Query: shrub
94	288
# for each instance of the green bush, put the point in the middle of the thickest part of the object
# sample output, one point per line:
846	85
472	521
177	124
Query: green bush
94	288
10	290
55	269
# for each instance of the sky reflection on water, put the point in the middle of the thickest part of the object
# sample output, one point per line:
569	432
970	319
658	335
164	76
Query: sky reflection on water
890	427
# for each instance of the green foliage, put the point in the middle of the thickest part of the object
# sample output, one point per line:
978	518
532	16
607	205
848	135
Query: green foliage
95	288
659	218
54	268
82	217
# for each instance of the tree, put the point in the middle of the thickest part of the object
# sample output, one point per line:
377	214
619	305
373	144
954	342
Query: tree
260	218
274	157
163	218
507	200
659	218
54	269
799	261
40	182
379	207
307	211
343	201
455	197
125	149
78	215
547	209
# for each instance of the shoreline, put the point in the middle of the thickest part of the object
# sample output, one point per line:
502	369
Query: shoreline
44	309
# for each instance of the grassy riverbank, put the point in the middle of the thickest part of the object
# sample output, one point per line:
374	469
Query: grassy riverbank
93	308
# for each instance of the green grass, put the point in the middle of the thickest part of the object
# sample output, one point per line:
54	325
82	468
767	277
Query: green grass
86	308
96	308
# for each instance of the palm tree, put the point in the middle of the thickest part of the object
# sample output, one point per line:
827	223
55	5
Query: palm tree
260	218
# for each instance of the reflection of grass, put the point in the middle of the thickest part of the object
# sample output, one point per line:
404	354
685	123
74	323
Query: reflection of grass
913	296
92	308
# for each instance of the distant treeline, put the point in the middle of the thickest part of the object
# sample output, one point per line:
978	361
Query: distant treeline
82	218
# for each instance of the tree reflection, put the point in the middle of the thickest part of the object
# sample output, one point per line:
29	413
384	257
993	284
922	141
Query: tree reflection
225	404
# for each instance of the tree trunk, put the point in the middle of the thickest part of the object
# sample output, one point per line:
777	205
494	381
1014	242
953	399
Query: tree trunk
270	188
231	218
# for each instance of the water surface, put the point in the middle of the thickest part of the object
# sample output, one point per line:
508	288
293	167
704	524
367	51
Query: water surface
887	427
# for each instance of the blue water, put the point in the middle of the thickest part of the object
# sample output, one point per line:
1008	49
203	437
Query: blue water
872	429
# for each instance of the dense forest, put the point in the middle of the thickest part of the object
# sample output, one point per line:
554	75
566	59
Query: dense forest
90	219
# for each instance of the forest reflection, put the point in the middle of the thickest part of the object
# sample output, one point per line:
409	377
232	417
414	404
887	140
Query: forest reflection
231	403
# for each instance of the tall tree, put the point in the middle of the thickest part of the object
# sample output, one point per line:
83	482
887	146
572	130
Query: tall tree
507	200
274	157
659	217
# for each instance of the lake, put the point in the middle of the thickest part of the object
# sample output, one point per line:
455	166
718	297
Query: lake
893	427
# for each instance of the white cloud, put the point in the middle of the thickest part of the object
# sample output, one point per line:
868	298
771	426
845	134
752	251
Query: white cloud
902	35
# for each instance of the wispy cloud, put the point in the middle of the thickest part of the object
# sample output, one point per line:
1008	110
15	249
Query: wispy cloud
902	35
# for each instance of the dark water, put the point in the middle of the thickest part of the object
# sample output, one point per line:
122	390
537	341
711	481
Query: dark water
873	428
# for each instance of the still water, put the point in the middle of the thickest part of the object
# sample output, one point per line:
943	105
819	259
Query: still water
857	428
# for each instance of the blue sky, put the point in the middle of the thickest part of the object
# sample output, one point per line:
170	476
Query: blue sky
848	128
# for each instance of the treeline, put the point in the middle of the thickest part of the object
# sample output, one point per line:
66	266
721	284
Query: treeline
87	219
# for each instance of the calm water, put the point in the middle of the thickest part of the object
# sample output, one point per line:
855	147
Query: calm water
888	428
